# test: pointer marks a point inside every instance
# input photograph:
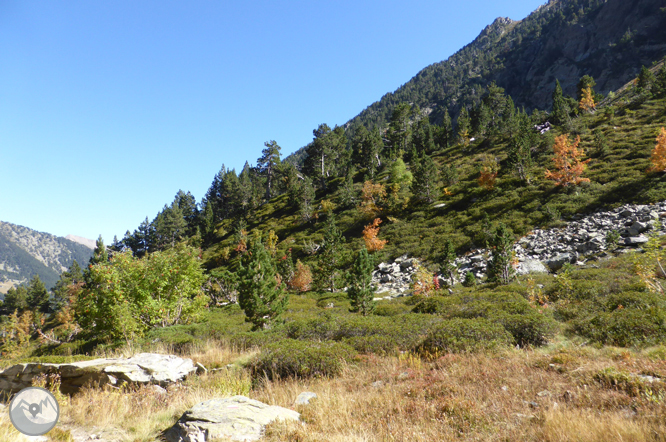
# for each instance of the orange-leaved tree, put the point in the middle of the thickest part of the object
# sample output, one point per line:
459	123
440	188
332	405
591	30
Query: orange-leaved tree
370	232
302	278
587	103
568	164
658	158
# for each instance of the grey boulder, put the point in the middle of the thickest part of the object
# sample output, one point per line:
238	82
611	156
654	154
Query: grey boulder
236	418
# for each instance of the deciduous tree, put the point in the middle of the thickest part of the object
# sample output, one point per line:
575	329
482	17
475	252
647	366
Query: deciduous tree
370	232
658	158
568	164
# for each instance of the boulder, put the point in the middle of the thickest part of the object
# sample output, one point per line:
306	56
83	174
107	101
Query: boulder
144	368
236	418
558	261
305	398
531	266
635	240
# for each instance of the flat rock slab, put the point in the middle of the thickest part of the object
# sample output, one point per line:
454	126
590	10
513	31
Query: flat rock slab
143	368
236	418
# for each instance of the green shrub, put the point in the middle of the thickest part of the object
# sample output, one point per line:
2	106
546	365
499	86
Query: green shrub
392	308
290	358
377	344
624	327
528	328
466	335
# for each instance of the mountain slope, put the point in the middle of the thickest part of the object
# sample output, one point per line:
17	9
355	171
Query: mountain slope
563	39
25	252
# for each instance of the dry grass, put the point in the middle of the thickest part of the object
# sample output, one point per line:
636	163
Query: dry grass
549	394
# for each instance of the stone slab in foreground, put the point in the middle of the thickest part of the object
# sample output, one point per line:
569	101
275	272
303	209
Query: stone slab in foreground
144	368
236	418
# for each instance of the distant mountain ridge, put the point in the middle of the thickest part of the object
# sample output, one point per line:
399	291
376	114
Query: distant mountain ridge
25	252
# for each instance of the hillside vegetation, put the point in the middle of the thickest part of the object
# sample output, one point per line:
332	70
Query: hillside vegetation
268	280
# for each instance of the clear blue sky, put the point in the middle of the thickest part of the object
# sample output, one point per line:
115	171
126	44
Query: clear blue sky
107	109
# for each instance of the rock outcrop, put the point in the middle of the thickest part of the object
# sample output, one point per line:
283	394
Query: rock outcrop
144	368
544	250
236	418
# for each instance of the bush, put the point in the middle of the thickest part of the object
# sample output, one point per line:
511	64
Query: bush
528	328
624	327
466	335
294	359
511	310
377	344
391	309
404	331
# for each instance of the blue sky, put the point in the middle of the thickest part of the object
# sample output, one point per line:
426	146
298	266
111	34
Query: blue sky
107	109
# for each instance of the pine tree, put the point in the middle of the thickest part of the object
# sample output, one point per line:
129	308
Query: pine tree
38	296
500	267
16	299
446	130
463	127
422	139
61	295
260	295
645	80
584	83
359	282
447	262
330	255
268	164
560	111
659	86
424	184
399	131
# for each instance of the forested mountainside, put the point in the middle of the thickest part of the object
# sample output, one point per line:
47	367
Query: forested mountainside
25	252
563	40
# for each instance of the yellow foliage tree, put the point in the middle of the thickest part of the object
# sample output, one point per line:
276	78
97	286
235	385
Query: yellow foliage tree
658	158
370	232
489	170
423	281
568	164
371	197
587	103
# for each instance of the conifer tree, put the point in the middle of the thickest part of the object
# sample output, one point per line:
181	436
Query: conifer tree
330	255
61	294
584	83
260	295
560	111
16	299
463	127
399	131
447	262
500	268
268	164
424	184
446	130
645	80
100	256
422	139
359	282
38	296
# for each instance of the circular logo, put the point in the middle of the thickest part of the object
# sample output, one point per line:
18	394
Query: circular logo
34	411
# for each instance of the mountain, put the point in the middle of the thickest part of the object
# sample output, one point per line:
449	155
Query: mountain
90	243
563	39
25	252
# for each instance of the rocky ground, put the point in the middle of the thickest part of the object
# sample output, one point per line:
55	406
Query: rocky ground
584	238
